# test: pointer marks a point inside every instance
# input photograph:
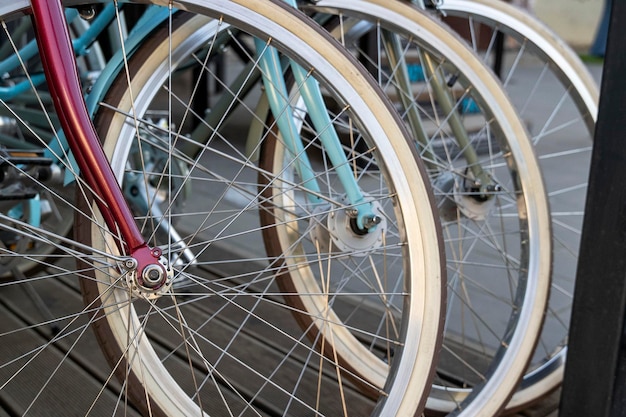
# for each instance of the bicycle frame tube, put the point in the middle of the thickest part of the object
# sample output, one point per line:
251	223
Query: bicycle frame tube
81	46
276	91
437	82
151	18
402	84
312	96
61	72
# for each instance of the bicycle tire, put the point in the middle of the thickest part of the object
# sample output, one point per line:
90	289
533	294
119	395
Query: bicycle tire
26	121
473	388
146	66
562	144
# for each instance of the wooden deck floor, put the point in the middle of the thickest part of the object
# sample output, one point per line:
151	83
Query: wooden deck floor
82	370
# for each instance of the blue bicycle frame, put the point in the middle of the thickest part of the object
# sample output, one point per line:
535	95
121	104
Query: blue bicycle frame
271	72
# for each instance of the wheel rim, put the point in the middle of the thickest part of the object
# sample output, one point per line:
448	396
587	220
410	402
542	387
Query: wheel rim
118	318
509	165
563	145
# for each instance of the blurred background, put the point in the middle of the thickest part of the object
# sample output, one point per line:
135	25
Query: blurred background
575	21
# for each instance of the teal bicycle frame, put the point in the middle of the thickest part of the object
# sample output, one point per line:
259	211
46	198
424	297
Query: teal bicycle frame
272	70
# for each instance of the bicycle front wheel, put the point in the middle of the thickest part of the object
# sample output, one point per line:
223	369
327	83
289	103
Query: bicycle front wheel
220	338
489	191
28	126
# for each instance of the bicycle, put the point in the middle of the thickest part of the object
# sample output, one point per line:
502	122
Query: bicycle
128	283
286	244
558	138
481	185
445	192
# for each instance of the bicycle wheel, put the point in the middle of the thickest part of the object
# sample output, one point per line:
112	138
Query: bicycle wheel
497	239
197	197
27	126
557	98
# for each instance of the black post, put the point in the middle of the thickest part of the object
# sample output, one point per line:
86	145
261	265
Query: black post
595	374
498	54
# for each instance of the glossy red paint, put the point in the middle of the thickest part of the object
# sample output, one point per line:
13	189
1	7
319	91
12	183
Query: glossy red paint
61	72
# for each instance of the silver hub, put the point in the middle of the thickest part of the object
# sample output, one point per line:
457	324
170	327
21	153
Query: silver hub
154	281
455	198
335	232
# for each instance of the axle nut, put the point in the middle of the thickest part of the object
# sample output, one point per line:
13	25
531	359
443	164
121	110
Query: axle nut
153	276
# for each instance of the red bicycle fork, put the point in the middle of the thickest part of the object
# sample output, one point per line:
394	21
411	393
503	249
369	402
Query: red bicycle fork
61	73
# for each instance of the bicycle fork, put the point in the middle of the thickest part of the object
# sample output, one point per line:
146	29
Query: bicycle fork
275	88
148	265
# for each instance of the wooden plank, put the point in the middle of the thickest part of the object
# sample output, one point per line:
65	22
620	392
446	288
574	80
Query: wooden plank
269	346
62	298
547	407
69	389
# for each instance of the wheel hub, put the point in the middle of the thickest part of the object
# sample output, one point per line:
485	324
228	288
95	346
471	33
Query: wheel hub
335	231
456	196
154	280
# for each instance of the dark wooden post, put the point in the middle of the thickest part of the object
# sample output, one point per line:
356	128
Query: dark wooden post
595	374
